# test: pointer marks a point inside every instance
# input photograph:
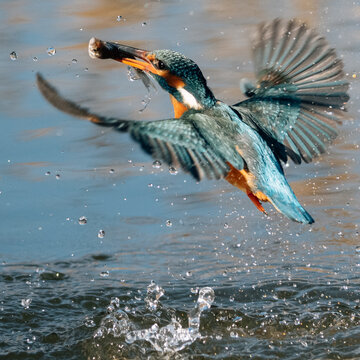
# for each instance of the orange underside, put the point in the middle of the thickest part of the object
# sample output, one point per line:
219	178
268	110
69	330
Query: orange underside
179	108
241	179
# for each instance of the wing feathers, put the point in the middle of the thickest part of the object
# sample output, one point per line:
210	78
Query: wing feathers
175	141
302	88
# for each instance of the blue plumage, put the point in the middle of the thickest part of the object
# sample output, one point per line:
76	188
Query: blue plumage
290	113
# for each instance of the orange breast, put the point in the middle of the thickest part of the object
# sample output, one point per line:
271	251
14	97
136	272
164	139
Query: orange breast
179	108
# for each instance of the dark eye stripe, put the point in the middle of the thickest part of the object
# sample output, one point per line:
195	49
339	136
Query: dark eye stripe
161	65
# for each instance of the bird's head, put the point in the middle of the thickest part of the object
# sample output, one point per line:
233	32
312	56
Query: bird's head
174	72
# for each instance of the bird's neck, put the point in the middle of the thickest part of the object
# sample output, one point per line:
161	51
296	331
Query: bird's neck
184	98
179	107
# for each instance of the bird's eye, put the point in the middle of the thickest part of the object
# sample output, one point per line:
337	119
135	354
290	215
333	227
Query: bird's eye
160	65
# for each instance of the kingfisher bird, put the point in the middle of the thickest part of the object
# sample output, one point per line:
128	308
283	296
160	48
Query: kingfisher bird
290	113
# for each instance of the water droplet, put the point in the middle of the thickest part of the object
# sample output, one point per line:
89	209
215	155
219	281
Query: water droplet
57	177
119	18
143	24
357	250
26	303
168	223
206	297
47	173
51	51
132	75
111	171
172	170
82	220
155	328
188	273
226	226
35	58
86	69
104	273
13	56
154	293
89	323
156	164
101	234
74	61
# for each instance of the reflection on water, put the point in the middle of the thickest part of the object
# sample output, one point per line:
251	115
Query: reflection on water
282	290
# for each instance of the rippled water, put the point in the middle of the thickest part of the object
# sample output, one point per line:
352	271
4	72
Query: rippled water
105	255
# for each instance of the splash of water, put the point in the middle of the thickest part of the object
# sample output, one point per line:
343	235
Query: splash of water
174	337
168	339
154	293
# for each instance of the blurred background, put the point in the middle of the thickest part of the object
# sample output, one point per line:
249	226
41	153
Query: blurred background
86	217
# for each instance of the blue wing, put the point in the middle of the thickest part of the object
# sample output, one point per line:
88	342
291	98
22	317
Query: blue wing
301	90
174	141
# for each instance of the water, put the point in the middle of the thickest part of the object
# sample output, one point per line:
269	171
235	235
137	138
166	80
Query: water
280	289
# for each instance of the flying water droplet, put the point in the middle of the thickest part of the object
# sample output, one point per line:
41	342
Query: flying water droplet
82	220
89	323
57	177
35	58
143	24
13	56
156	164
111	171
25	303
105	274
51	51
74	61
168	223
145	102
206	298
119	18
101	234
172	170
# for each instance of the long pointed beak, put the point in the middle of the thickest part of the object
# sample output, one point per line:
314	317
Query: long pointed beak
126	54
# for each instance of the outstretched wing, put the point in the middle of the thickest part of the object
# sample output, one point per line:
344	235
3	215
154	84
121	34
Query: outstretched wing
301	89
174	141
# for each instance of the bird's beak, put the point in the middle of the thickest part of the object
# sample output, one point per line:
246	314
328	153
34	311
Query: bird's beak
128	55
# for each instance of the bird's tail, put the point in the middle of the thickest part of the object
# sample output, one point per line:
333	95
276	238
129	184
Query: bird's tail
292	209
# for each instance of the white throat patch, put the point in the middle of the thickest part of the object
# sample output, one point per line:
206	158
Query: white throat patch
189	99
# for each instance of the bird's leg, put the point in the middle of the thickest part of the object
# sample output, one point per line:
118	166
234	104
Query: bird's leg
242	180
256	202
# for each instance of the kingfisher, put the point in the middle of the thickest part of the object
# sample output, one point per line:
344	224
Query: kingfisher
289	114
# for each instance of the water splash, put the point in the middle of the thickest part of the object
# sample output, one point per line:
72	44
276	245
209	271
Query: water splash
116	323
154	293
174	337
167	339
